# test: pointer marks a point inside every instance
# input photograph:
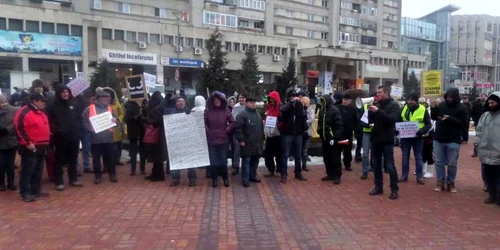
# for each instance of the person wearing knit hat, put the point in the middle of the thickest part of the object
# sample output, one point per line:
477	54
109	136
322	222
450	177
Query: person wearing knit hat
414	112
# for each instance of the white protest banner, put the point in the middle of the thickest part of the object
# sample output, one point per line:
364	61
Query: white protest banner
364	118
186	140
80	75
78	85
407	129
396	92
150	81
102	122
271	121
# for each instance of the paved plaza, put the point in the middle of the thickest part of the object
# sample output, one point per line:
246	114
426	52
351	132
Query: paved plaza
135	214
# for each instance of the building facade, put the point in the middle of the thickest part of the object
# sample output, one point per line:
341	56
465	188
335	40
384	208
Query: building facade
345	40
474	46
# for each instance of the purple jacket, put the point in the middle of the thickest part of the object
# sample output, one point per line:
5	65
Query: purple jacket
219	122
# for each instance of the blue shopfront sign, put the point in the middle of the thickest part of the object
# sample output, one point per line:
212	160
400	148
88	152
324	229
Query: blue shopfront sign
169	61
36	43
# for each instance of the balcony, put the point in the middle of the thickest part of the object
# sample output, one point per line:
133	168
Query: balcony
222	2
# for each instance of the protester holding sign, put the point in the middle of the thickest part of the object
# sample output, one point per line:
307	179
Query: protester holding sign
451	117
308	133
272	154
414	112
118	130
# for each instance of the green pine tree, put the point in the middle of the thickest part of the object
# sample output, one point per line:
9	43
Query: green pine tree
105	76
287	79
410	84
249	74
213	75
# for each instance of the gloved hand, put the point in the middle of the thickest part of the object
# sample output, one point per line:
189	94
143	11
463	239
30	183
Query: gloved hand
332	142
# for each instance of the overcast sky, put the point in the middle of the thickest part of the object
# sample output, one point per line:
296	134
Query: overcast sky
419	8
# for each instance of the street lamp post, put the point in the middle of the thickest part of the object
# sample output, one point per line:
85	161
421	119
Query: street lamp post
178	15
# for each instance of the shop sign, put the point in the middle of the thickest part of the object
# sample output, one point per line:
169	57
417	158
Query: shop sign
132	57
312	73
181	62
36	43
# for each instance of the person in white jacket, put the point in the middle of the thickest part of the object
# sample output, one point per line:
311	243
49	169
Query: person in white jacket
427	153
199	104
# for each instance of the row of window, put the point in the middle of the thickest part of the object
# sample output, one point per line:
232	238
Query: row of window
356	38
301	15
125	8
289	31
358	8
395	62
220	19
44	27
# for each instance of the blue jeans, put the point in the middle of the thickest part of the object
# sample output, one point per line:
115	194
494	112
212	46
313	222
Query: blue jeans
418	146
367	144
249	168
291	143
85	139
30	180
218	160
386	151
446	155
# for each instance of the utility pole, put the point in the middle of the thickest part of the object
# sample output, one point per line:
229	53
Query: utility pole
178	15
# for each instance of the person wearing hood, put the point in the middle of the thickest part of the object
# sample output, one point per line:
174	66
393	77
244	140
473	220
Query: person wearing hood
238	107
180	107
488	146
134	120
451	117
65	127
427	151
306	102
350	121
272	154
156	146
383	115
219	125
118	130
102	142
414	112
231	101
294	125
8	144
199	104
330	129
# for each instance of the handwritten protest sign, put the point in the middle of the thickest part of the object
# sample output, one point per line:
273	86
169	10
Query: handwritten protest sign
397	92
407	129
186	140
102	122
271	121
431	82
78	85
364	118
150	81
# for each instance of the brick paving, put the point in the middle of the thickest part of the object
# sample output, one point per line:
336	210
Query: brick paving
135	214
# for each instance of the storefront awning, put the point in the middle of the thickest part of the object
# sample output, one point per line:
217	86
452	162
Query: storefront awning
334	53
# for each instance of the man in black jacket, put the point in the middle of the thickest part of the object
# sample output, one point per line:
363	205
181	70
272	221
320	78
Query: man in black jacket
350	122
65	128
330	132
292	130
384	115
451	117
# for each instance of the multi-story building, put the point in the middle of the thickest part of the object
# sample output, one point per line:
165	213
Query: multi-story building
474	46
342	40
430	35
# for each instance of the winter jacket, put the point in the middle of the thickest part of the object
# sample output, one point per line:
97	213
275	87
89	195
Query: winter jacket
199	104
134	120
477	111
294	118
384	121
488	138
427	124
81	103
273	110
63	118
8	138
450	129
120	117
237	109
105	136
310	120
350	120
219	122
330	125
32	126
250	129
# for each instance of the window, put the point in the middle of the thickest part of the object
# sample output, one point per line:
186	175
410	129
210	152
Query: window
277	50
47	28
168	40
97	4
289	13
244	47
179	40
324	3
76	30
325	19
284	51
289	31
324	35
253	47
389	17
348	37
258	24
161	12
243	23
63	29
261	49
32	26
3	23
312	2
349	21
119	35
373	11
124	7
228	46
143	37
390	44
199	43
345	5
154	38
269	50
131	36
253	4
189	42
106	34
311	17
310	33
237	47
369	40
15	24
220	19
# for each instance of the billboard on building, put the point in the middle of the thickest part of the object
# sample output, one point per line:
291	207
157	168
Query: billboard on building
36	43
432	83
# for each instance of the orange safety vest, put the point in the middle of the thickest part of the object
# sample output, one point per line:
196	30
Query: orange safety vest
93	113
